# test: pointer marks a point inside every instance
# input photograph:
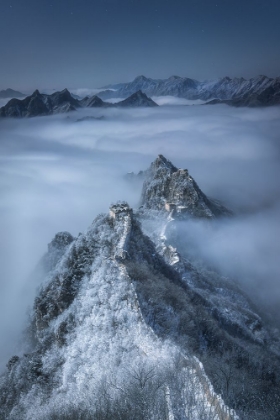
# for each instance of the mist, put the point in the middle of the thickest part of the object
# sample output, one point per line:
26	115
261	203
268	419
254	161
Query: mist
245	249
57	174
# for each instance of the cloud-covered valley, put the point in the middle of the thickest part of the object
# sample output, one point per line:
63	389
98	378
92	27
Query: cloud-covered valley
57	174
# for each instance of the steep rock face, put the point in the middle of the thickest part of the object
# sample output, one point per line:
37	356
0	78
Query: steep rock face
258	91
174	190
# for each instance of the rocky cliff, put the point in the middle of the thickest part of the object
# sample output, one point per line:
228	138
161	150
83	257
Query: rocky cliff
123	320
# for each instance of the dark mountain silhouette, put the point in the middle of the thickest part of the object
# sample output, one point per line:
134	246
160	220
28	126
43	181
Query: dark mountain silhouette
40	104
60	102
137	99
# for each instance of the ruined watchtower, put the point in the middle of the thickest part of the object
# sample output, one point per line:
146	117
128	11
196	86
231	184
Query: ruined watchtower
119	209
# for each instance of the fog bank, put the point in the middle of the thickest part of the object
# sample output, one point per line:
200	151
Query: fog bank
58	174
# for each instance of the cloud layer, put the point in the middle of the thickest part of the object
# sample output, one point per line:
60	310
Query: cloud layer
58	174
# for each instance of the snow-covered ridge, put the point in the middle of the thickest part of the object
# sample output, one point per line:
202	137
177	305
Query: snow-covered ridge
125	324
259	90
89	328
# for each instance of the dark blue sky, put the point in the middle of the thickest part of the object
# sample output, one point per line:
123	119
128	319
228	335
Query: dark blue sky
89	43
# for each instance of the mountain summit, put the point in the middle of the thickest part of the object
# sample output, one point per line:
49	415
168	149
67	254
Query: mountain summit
125	326
169	188
137	99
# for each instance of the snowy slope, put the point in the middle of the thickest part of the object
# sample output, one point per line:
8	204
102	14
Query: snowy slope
265	89
89	330
123	321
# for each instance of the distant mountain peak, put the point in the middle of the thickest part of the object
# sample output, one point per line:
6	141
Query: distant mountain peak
64	95
236	91
174	77
137	99
139	94
36	93
40	104
11	93
140	78
94	102
262	77
225	79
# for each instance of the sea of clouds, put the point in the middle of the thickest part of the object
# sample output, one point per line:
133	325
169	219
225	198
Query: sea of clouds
57	174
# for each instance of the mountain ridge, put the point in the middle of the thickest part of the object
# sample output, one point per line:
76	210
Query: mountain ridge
262	90
122	312
39	104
